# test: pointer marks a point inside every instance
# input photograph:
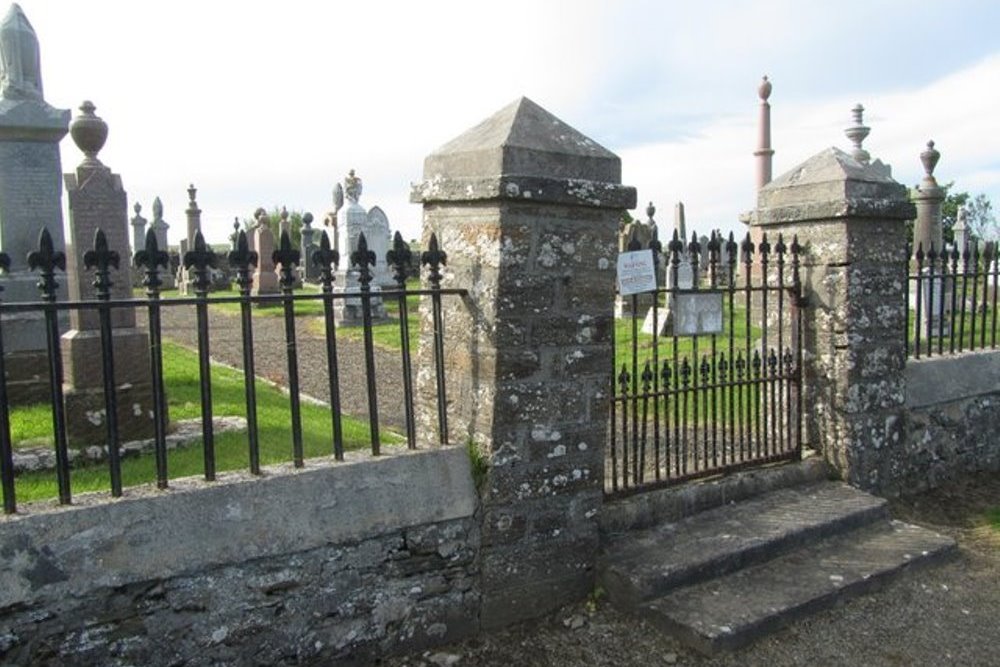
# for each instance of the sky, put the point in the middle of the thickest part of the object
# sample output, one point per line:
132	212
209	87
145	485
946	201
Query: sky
270	104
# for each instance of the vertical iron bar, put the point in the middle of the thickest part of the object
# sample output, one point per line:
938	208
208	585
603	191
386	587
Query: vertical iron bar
435	258
242	258
6	449
363	258
780	250
713	269
764	251
992	271
676	246
623	383
199	260
665	373
287	258
917	324
954	299
327	257
635	391
48	259
731	250
647	378
399	257
797	341
151	258
943	284
614	411
657	248
986	287
694	257
931	291
965	292
748	251
101	258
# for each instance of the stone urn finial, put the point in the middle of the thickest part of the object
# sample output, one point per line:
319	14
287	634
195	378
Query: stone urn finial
764	90
857	133
89	132
650	211
192	192
137	208
930	158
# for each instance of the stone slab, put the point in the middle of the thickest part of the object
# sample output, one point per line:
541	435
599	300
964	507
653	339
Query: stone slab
731	611
644	565
949	378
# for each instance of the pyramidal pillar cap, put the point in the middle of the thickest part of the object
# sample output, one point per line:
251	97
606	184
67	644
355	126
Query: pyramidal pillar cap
524	153
831	185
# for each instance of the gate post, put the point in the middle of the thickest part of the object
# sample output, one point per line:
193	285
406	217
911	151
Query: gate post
527	209
850	221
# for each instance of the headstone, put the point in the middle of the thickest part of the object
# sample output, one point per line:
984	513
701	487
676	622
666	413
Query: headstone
378	237
98	201
138	229
30	197
352	220
160	227
185	280
310	271
265	279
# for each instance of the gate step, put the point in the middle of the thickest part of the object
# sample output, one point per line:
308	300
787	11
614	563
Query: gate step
720	578
732	611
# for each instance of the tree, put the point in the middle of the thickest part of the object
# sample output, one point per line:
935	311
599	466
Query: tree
980	220
274	224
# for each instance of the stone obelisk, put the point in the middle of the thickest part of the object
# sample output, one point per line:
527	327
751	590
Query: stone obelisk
30	198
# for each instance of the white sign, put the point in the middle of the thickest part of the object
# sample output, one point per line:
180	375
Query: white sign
636	272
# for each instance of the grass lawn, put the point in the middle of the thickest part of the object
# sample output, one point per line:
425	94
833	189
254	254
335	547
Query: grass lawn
33	424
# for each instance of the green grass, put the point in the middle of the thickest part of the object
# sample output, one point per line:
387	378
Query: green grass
385	335
735	319
993	519
184	402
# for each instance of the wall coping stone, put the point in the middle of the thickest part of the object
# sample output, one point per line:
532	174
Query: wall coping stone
938	380
47	551
528	189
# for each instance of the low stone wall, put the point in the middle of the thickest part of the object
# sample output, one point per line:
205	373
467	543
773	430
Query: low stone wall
952	421
331	562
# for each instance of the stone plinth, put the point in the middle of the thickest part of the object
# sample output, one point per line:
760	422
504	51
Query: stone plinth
527	210
850	219
97	200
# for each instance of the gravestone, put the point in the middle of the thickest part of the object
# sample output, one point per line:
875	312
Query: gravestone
378	237
30	198
310	271
138	229
160	227
352	221
265	279
98	201
185	278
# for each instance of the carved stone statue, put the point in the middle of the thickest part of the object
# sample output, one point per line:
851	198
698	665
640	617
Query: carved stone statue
20	63
352	187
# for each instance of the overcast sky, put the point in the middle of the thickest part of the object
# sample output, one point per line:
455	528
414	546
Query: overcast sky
269	104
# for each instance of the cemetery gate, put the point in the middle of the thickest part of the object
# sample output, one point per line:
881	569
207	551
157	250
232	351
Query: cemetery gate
707	370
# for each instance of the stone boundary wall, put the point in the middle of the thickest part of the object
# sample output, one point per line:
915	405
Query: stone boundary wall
344	561
952	421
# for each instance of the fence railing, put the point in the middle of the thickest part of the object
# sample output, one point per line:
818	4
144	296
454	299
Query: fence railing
952	301
721	390
199	261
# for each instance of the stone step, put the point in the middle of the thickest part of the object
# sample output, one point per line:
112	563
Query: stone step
733	610
640	566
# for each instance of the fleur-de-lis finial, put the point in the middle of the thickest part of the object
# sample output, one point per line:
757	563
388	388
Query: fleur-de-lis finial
287	257
363	258
47	259
434	258
151	258
241	259
199	260
326	258
399	257
102	259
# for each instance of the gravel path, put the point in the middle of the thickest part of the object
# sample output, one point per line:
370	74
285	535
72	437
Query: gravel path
942	615
271	360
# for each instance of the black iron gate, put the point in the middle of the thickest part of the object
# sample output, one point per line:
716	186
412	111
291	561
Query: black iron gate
714	384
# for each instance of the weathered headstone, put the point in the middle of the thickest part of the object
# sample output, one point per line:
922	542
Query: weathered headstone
378	237
30	197
265	279
138	229
310	271
185	280
160	227
352	221
98	201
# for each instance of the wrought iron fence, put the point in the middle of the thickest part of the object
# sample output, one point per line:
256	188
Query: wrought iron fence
200	260
709	397
952	304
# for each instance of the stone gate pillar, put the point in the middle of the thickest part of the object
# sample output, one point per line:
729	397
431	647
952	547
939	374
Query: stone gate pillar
850	220
527	210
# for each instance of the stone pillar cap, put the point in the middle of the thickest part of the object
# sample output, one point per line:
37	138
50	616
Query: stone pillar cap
524	152
832	184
